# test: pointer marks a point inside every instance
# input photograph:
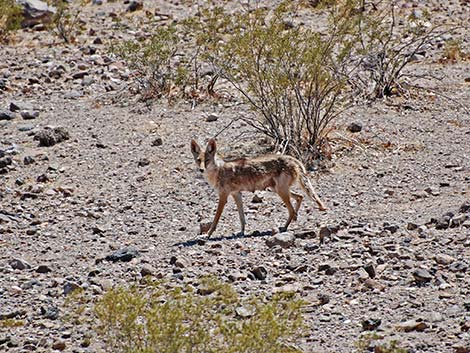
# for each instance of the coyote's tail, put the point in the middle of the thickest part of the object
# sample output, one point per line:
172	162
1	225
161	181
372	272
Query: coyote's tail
307	187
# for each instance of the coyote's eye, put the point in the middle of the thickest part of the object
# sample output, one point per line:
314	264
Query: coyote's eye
198	160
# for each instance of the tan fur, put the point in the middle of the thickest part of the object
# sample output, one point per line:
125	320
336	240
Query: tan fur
268	172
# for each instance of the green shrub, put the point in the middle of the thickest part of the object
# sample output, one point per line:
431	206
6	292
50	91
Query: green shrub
151	59
387	50
158	318
294	78
10	18
65	22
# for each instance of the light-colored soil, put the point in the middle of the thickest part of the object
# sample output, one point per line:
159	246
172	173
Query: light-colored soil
410	163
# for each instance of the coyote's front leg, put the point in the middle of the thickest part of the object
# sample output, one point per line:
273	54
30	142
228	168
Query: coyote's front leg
239	201
222	201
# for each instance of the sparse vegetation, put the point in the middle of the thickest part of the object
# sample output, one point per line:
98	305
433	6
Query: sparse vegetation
6	323
159	318
152	60
368	341
10	18
294	78
387	51
66	20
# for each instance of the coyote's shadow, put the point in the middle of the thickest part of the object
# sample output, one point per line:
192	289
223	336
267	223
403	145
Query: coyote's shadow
204	240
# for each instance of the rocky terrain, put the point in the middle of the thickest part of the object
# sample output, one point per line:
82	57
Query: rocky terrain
98	190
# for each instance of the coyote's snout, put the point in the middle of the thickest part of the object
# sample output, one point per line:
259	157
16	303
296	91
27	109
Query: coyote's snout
274	172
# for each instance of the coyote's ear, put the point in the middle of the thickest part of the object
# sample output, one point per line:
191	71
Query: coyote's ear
195	149
211	146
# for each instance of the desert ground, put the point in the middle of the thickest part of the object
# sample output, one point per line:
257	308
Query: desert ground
396	244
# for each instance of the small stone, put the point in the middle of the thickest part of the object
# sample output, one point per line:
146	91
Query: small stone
124	255
457	221
18	264
285	240
212	117
244	312
371	324
422	276
465	207
259	272
443	259
43	269
135	5
412	325
59	345
157	142
50	137
392	228
6	115
79	75
51	312
69	287
370	269
143	162
6	161
147	270
256	199
29	114
355	127
412	226
362	274
28	160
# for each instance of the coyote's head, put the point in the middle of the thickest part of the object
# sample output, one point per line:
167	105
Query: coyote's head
205	158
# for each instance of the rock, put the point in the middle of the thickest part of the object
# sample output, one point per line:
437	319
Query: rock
51	312
29	114
443	259
370	269
79	75
256	199
43	269
147	270
458	266
35	12
26	127
143	162
422	276
259	272
28	160
135	5
362	274
6	115
212	117
392	228
371	324
73	94
157	142
412	226
284	240
6	161
69	287
457	221
50	137
412	325
59	345
355	127
178	262
465	207
245	312
18	264
124	255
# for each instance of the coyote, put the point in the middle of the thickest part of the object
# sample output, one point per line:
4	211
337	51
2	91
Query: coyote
273	172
